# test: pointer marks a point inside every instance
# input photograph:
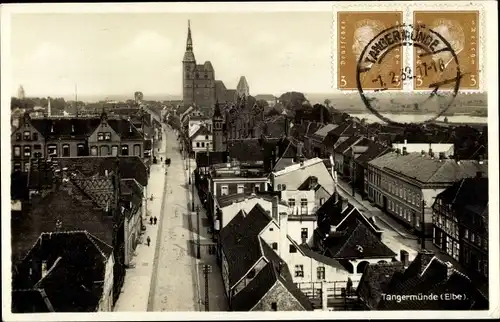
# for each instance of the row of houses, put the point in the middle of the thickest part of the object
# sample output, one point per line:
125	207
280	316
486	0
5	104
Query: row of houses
129	134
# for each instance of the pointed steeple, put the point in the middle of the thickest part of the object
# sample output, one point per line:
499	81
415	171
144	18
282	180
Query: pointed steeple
217	112
189	55
189	42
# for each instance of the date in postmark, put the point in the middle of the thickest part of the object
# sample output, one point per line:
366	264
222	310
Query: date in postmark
461	30
355	29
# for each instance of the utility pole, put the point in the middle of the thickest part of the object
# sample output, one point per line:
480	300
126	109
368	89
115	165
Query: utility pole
192	192
189	162
422	220
198	246
207	269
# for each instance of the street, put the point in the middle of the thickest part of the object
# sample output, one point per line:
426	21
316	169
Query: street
175	279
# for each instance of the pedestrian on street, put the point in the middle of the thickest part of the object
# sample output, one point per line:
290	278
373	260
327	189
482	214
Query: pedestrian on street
150	220
148	240
154	220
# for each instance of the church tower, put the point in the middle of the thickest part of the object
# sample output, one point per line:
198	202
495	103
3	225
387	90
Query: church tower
188	70
218	143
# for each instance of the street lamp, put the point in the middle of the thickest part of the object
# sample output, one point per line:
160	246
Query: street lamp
192	194
422	220
207	269
189	162
198	246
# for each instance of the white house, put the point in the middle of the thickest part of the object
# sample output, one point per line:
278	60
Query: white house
201	138
292	177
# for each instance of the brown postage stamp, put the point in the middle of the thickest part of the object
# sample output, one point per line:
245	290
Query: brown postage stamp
355	29
461	30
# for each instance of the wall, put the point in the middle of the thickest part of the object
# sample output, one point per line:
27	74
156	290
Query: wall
104	147
249	185
295	227
200	143
294	179
281	296
106	302
73	147
320	197
297	196
132	228
21	161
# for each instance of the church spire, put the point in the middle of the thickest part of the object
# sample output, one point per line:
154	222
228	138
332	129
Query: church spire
189	42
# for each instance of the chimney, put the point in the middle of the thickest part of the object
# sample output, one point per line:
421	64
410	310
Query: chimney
44	268
283	223
404	151
449	269
404	257
406	141
425	258
275	208
481	159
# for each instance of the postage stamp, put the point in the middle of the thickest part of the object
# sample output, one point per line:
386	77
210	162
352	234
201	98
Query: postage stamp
354	30
461	29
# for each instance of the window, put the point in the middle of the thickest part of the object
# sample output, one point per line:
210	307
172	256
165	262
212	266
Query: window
279	187
240	188
17	151
320	273
114	150
93	151
321	201
37	147
26	166
197	144
80	149
100	136
202	144
274	306
291	202
27	151
17	166
224	190
303	206
206	137
137	150
292	249
104	150
18	136
251	274
27	135
107	136
304	234
124	149
257	187
283	187
52	150
299	270
65	150
35	136
37	154
275	246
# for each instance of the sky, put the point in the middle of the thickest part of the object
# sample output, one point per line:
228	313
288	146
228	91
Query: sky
120	53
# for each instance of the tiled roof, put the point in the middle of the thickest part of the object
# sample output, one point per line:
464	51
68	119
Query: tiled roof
324	130
433	278
376	281
239	240
66	127
246	150
266	97
250	296
374	150
201	130
204	159
131	167
358	241
66	209
125	129
344	146
470	192
429	170
31	301
308	252
312	127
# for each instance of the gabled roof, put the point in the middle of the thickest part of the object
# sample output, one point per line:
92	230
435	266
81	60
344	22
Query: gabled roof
357	241
66	127
66	209
246	150
345	145
204	159
239	240
201	130
429	170
125	129
324	130
471	192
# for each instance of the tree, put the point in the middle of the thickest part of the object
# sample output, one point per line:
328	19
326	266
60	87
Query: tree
138	96
315	114
272	112
292	100
262	104
327	103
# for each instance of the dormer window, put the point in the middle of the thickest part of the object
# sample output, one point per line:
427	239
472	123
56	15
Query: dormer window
27	135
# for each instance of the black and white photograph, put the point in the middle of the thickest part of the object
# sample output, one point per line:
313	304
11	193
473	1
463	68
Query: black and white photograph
179	160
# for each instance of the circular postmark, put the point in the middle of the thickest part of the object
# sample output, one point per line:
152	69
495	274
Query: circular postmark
435	73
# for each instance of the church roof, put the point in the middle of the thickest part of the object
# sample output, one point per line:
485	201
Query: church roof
242	84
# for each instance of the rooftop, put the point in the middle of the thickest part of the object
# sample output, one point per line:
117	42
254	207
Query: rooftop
297	166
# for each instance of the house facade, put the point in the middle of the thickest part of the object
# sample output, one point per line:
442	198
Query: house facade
201	139
405	185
